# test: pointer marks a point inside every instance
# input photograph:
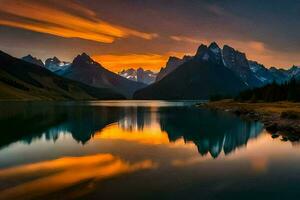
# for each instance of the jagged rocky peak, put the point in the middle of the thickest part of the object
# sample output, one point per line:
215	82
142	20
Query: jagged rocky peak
57	66
294	67
261	72
83	58
55	59
214	47
239	64
187	58
140	70
51	61
139	75
172	60
234	58
29	58
202	49
255	66
275	69
127	71
211	53
203	53
172	63
294	70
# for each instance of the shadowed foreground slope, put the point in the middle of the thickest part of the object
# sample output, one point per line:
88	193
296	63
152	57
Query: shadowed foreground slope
20	80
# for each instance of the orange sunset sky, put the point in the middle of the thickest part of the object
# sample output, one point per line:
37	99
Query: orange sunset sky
130	33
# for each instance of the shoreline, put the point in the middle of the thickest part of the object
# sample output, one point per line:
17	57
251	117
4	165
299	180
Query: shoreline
279	118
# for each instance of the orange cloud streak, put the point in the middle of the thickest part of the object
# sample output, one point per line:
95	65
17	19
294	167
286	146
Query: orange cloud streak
42	16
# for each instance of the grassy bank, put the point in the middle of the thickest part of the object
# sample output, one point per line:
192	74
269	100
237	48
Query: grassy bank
275	107
278	117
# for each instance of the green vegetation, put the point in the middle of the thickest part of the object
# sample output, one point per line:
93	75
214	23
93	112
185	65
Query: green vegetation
278	117
261	107
289	91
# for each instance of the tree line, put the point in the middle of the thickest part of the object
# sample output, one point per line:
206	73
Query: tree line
288	91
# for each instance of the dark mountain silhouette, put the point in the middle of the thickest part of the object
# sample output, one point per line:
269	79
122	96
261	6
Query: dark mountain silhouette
262	73
171	65
22	80
238	63
294	71
228	56
199	78
29	58
27	121
211	132
279	75
87	71
252	73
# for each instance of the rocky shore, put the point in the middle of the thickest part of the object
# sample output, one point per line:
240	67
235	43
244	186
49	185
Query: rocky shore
280	118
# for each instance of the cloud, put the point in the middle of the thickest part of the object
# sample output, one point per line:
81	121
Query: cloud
65	19
216	10
188	39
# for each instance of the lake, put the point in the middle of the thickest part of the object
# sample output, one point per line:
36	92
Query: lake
140	150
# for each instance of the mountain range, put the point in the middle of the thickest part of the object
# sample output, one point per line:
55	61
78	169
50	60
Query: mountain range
171	65
29	58
86	70
20	79
52	64
140	75
57	66
212	71
198	78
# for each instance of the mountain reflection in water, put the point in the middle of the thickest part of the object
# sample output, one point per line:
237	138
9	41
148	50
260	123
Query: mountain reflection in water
140	150
211	132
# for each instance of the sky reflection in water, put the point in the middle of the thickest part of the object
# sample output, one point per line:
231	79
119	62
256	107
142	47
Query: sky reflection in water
96	150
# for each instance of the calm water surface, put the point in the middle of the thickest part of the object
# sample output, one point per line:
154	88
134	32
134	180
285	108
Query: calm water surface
140	150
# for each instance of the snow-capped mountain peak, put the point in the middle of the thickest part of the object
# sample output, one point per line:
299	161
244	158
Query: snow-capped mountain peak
56	66
139	75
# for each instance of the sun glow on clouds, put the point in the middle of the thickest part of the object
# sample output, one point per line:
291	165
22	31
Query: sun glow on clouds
117	63
60	20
